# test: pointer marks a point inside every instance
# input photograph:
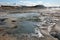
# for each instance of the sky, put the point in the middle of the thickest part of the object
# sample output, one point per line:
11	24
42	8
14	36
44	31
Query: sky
31	2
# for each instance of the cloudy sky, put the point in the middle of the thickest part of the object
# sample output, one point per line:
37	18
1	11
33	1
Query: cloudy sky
31	2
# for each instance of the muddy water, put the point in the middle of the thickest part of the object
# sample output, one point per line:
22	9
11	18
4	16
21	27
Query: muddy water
26	26
23	15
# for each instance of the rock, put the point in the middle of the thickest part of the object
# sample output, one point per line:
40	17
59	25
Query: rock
55	32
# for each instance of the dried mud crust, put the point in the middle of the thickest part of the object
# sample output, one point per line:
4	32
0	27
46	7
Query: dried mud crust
12	37
7	37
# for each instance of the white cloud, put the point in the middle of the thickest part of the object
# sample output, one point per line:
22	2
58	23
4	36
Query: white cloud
7	3
30	3
51	5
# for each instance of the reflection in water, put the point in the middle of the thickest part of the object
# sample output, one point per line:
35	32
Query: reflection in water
23	15
26	26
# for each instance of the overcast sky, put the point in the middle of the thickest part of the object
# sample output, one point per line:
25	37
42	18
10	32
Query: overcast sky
31	2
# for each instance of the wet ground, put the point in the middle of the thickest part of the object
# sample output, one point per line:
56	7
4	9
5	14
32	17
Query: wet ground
19	25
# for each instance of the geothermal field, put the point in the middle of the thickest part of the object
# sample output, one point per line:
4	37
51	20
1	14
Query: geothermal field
29	23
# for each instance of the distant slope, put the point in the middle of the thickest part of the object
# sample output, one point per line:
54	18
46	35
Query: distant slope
21	7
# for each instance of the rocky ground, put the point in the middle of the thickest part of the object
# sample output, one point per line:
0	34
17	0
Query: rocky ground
50	17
